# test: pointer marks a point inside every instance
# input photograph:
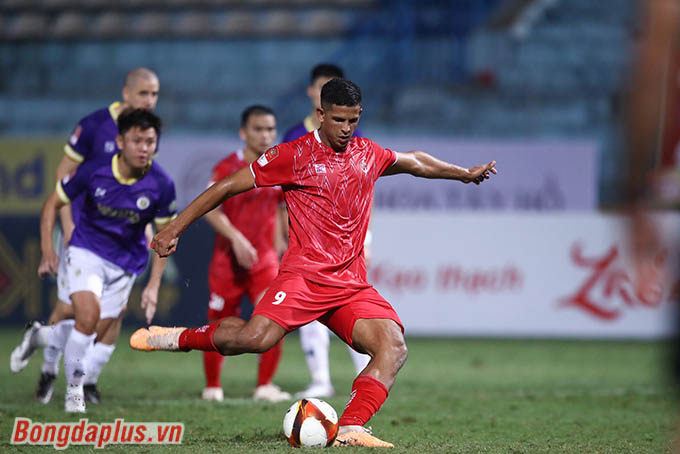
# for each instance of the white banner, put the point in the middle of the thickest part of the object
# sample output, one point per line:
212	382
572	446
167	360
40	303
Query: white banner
534	175
557	275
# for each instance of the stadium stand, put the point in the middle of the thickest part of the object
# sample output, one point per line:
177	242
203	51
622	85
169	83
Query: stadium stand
458	67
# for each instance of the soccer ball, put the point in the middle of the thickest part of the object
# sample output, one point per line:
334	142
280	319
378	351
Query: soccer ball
310	423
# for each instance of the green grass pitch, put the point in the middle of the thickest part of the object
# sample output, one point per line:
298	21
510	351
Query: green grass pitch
453	396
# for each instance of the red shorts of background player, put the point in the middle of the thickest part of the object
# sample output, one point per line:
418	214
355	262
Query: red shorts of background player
292	301
226	294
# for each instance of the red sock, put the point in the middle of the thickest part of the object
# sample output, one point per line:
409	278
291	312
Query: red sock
199	338
212	365
268	363
368	395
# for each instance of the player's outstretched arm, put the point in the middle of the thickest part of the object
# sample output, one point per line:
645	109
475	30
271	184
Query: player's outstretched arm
165	242
49	262
420	164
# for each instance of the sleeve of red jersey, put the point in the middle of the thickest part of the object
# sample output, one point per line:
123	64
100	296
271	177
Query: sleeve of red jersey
274	167
384	158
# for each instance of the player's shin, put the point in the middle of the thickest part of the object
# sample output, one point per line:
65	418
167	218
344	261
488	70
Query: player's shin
56	342
96	358
368	395
74	362
74	356
199	338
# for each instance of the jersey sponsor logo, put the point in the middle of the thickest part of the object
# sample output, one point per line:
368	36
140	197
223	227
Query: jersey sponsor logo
268	157
130	215
99	192
320	168
143	202
110	146
75	135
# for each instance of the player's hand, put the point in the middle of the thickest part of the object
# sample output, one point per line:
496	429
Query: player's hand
150	301
481	172
246	254
165	242
49	264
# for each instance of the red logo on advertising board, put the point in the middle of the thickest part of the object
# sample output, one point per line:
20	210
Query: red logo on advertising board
448	278
608	289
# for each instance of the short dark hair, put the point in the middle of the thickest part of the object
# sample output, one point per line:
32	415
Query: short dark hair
255	110
341	92
141	118
326	70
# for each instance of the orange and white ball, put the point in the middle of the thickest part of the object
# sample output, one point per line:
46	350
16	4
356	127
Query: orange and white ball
310	423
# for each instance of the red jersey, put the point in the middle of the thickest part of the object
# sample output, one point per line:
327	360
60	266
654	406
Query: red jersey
329	196
253	213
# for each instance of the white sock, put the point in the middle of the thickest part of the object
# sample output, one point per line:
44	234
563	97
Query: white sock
74	356
56	342
41	337
315	342
97	357
360	360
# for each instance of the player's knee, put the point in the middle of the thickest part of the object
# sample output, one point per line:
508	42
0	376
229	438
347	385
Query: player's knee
401	353
396	351
87	323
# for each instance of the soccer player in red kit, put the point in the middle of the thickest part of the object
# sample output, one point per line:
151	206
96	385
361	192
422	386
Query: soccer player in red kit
327	177
246	254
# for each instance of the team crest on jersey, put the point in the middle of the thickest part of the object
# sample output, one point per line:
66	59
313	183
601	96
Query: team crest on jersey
110	146
320	168
75	135
143	202
268	157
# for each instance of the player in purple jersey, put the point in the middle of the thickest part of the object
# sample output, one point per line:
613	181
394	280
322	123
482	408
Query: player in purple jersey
92	140
314	337
108	247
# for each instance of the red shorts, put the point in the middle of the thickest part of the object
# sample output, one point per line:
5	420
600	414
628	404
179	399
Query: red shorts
292	301
226	294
